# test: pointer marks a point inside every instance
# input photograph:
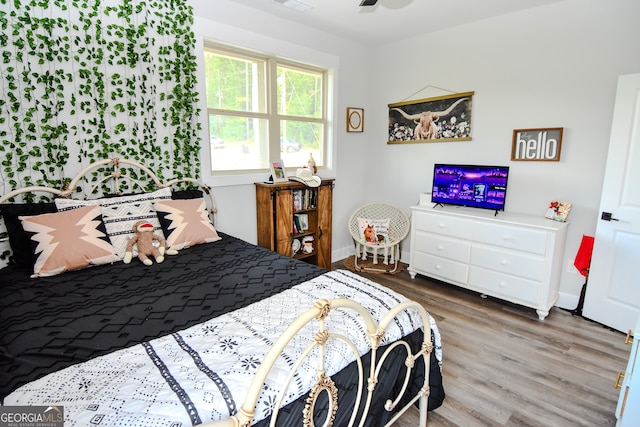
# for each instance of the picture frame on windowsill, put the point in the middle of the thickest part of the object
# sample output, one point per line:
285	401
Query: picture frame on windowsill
278	171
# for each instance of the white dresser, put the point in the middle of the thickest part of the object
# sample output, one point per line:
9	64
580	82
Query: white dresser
517	258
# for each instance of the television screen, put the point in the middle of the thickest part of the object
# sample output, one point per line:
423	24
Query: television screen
470	185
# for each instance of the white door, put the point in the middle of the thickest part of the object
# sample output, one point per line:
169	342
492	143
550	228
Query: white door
628	410
613	289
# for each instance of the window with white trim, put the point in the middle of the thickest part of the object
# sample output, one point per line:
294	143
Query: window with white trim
262	108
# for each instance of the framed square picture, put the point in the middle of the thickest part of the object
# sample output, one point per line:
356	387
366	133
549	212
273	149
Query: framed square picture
304	221
355	119
278	171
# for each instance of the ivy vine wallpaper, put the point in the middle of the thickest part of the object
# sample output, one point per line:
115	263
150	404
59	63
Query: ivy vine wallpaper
85	80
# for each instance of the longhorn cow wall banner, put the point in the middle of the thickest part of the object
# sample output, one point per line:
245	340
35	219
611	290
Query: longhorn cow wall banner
441	119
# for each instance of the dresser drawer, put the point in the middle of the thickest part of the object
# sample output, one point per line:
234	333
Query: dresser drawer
522	239
514	257
519	264
442	224
433	244
500	285
450	271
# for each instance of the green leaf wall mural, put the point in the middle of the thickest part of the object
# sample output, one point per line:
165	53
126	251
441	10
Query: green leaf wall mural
85	80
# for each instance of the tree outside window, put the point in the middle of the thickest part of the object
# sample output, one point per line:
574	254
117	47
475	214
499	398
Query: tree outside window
262	108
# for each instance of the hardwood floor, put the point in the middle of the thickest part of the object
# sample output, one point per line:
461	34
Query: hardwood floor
504	367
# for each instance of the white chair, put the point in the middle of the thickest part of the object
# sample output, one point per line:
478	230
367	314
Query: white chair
387	245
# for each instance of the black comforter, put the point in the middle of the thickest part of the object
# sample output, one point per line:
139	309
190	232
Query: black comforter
50	323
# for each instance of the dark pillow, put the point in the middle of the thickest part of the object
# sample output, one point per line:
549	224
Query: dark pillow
18	239
186	194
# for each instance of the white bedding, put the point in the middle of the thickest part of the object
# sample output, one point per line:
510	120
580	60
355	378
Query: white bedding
203	373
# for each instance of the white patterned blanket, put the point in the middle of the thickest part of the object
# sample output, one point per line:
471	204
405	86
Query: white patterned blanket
203	373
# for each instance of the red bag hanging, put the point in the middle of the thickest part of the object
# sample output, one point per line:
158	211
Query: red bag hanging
583	257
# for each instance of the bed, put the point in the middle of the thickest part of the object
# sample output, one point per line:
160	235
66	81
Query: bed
222	333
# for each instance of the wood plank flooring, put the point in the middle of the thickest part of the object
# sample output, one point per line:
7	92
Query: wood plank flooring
504	367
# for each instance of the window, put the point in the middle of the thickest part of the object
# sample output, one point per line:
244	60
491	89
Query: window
263	108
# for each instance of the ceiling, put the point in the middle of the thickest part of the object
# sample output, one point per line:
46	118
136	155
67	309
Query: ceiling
388	20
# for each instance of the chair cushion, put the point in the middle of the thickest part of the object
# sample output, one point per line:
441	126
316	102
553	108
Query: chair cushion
374	231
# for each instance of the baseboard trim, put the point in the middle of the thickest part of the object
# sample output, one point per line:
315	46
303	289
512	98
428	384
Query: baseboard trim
567	301
342	253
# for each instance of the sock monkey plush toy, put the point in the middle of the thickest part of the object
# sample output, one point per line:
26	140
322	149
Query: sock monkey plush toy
143	238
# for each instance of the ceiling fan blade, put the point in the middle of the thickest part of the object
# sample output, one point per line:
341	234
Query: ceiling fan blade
368	2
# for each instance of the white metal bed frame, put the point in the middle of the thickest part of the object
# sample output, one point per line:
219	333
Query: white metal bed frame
375	332
117	176
318	313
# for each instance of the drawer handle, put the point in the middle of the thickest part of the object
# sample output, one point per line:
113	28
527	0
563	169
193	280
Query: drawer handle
441	225
502	284
503	262
629	338
619	379
439	247
438	267
506	238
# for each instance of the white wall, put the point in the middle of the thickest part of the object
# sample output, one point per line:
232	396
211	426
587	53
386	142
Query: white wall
553	66
230	22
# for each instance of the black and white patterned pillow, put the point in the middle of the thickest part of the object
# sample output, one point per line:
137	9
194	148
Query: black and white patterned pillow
120	213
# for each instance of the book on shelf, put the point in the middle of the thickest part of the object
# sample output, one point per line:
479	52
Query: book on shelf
300	223
297	200
304	199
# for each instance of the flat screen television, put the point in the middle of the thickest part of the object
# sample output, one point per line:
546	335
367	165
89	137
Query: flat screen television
470	185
